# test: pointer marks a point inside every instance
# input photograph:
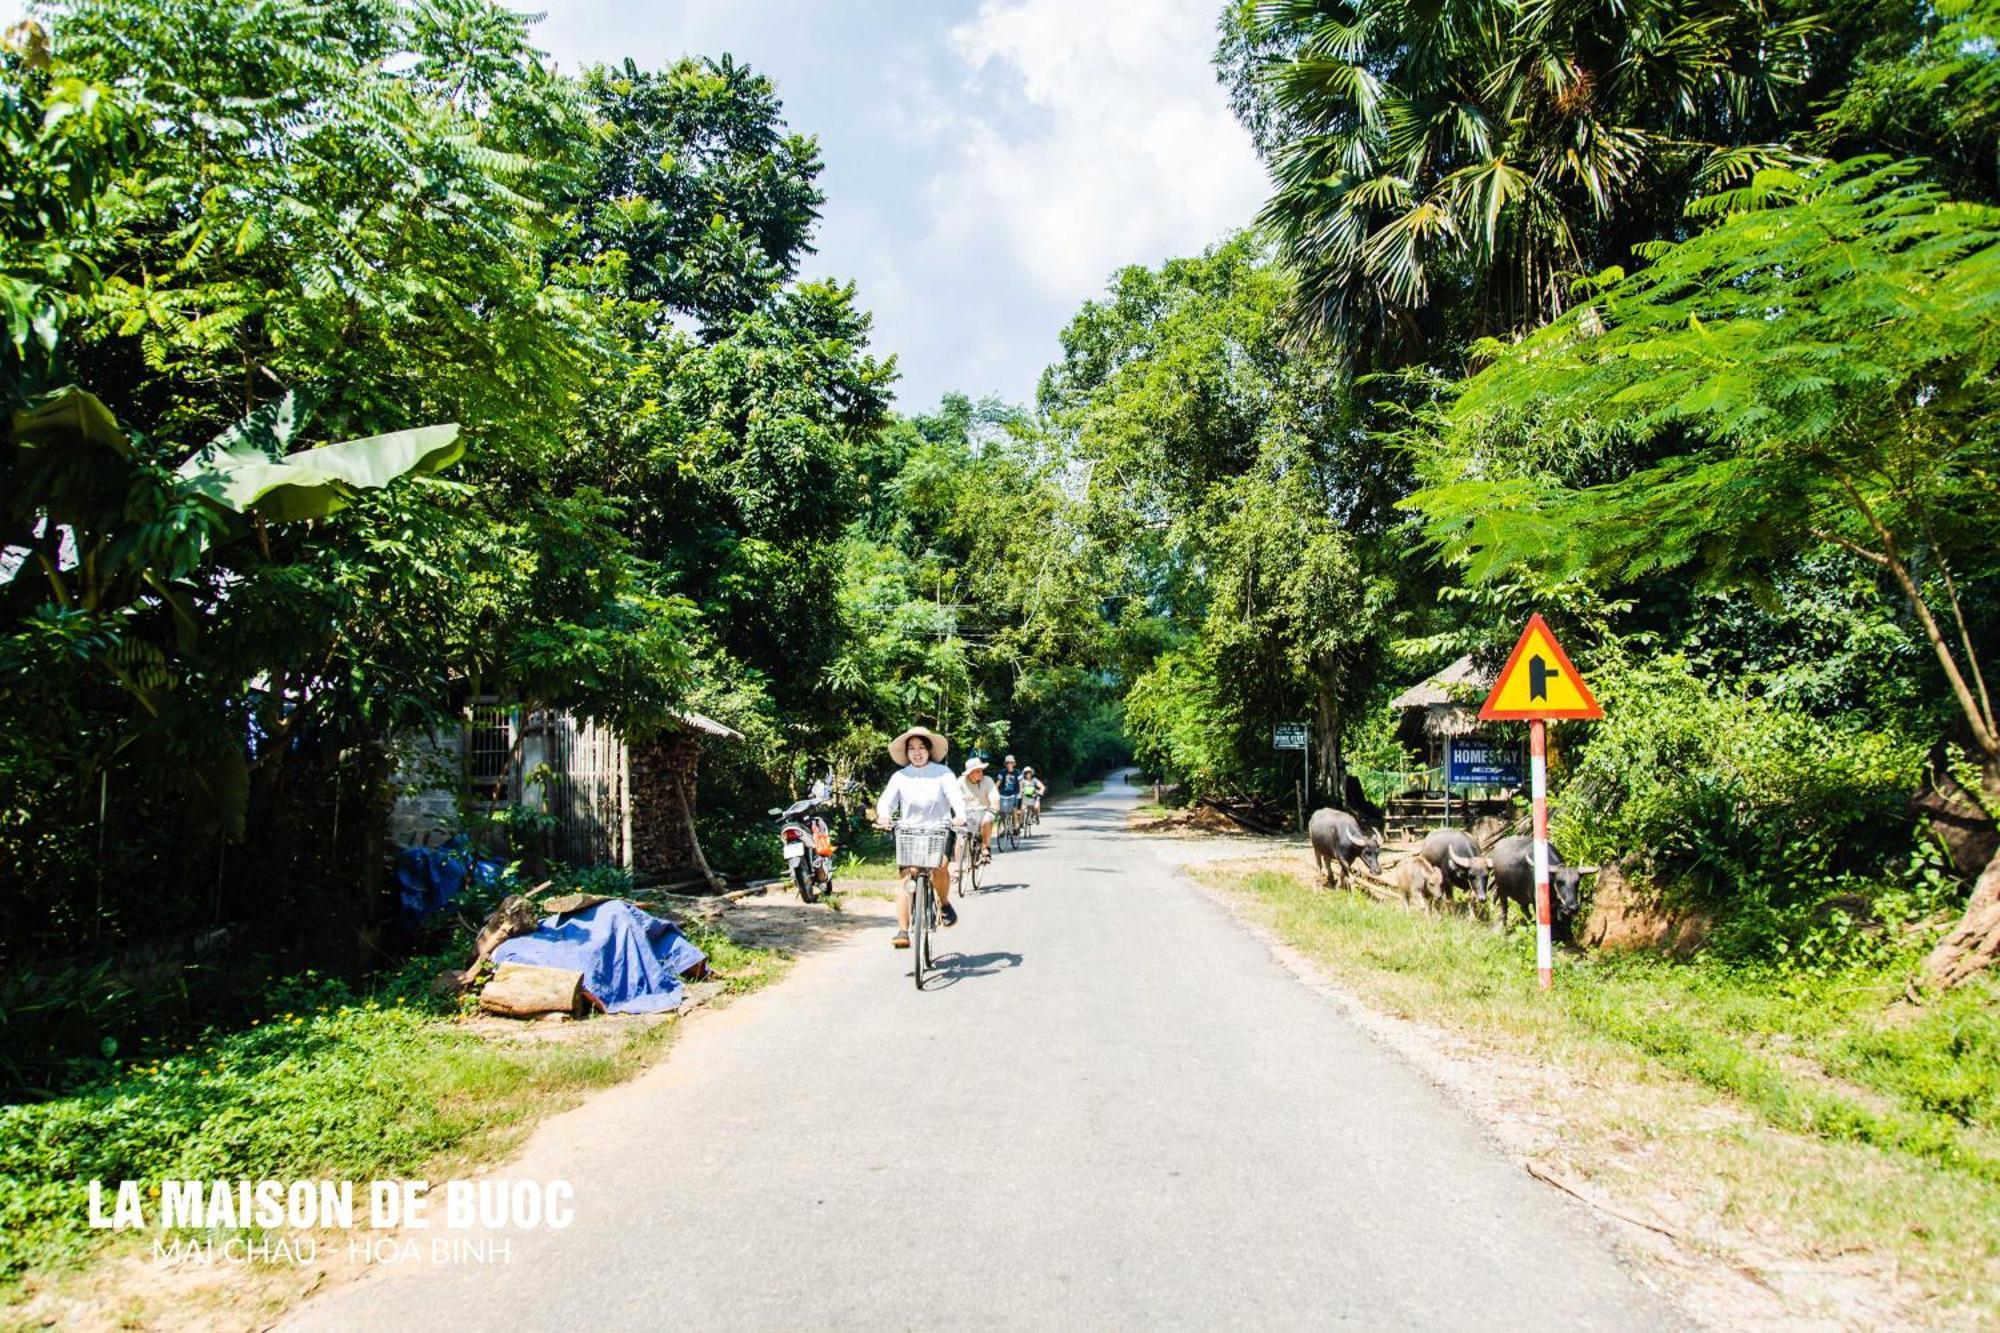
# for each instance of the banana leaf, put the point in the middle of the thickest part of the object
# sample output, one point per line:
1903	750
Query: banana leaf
242	477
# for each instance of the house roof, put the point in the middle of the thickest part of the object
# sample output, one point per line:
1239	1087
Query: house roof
1433	693
708	726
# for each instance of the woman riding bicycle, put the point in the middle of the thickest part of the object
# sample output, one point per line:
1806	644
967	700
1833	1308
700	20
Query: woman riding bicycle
982	800
928	794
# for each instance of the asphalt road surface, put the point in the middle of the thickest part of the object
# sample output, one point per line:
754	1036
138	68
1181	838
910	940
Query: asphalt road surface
1113	1109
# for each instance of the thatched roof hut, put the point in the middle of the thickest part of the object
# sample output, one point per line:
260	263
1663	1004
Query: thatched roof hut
1447	699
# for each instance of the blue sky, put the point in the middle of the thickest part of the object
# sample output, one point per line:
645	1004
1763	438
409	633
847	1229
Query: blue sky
988	164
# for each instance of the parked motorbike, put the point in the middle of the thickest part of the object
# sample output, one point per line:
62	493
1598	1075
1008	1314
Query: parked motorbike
808	843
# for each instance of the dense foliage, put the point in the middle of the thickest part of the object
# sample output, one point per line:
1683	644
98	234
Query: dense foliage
356	364
1683	349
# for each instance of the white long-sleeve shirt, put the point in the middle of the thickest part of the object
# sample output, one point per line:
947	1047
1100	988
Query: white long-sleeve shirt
928	795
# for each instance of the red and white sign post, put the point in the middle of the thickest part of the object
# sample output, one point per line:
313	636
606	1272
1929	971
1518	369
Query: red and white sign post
1538	790
1538	683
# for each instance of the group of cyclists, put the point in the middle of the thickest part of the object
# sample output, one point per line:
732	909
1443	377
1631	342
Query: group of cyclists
969	804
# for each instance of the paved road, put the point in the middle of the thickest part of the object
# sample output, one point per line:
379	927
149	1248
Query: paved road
1117	1112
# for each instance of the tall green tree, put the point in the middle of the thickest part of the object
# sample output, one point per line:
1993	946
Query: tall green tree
1815	370
1225	475
1447	171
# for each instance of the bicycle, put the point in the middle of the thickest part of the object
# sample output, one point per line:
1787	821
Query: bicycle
1010	822
920	849
965	861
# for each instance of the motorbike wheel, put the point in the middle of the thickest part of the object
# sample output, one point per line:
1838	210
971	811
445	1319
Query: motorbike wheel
802	880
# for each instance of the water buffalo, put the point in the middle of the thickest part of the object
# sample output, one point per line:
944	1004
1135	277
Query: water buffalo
1459	863
1420	883
1514	880
1337	838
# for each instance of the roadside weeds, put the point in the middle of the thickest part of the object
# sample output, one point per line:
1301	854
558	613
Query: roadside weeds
429	1098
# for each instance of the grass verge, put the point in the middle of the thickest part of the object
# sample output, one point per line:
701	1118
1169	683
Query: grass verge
1812	1108
330	1084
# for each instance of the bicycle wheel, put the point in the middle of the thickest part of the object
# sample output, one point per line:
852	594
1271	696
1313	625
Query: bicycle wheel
965	864
920	934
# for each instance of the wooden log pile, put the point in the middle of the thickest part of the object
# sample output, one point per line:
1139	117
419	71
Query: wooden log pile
663	794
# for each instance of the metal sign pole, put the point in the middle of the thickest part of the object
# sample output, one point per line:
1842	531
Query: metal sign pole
1539	788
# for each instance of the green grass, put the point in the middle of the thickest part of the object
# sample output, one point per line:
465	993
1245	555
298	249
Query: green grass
1875	1125
741	969
872	855
1081	789
329	1084
1815	1055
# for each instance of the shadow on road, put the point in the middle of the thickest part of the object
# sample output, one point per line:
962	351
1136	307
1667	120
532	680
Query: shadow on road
985	889
954	968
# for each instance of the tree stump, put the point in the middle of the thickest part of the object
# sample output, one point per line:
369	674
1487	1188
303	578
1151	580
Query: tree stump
514	916
522	990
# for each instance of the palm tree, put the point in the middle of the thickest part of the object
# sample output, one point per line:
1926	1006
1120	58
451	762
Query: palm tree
1452	166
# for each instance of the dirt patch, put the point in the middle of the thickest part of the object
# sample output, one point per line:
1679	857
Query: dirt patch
1198	820
1625	917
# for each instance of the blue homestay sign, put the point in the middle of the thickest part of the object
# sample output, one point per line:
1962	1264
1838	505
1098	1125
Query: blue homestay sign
1475	761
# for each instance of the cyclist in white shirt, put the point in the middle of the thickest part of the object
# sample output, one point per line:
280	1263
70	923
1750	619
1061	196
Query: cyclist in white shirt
982	799
928	793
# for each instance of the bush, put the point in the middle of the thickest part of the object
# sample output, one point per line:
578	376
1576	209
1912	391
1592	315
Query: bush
1741	803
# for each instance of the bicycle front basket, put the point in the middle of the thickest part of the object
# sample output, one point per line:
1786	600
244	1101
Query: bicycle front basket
920	846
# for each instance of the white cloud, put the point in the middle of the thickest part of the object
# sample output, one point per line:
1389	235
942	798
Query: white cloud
1089	136
989	163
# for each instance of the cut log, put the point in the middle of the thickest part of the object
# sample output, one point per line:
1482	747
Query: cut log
522	990
514	916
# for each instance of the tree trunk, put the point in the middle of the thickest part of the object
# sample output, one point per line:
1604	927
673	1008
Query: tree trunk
1328	772
686	789
521	990
1974	943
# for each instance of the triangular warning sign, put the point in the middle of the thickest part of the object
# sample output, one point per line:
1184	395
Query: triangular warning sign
1539	681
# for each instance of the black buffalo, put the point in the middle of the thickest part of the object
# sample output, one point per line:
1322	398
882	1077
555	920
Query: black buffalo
1458	863
1337	839
1514	880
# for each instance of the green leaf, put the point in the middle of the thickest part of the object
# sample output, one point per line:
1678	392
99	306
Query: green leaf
68	418
313	483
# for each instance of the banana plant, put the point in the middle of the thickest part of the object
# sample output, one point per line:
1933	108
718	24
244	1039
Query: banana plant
108	530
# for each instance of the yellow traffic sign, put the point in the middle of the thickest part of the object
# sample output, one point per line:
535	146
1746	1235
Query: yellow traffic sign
1539	681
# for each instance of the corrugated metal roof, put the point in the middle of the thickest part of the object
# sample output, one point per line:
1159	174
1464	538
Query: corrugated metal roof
708	726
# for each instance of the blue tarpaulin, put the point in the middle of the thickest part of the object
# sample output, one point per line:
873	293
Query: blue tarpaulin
429	877
631	962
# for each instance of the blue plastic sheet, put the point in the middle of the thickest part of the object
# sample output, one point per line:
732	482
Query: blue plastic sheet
429	877
631	962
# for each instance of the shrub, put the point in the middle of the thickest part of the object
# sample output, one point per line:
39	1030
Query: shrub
1742	803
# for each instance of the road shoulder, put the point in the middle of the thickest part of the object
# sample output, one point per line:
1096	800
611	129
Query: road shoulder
1727	1214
